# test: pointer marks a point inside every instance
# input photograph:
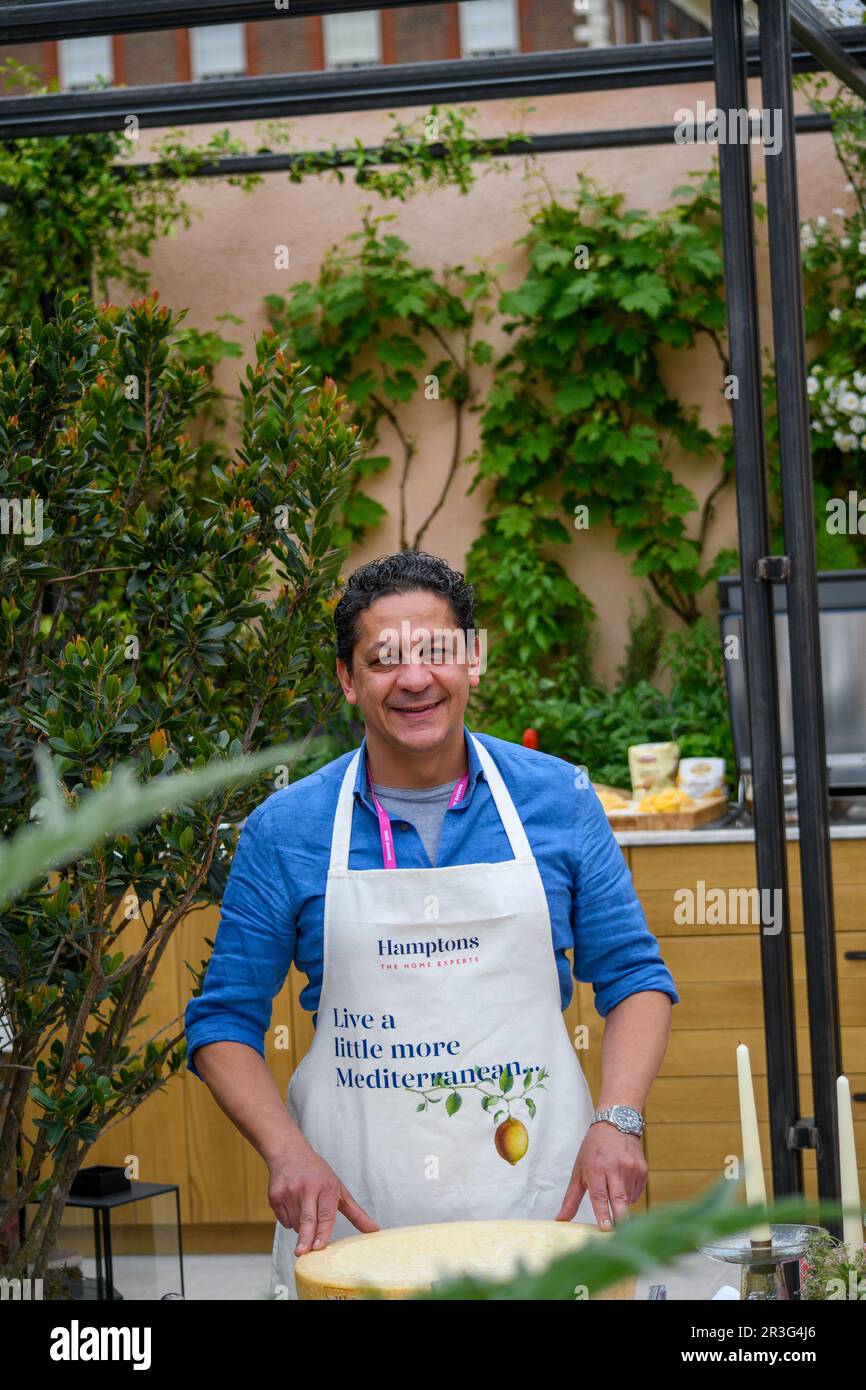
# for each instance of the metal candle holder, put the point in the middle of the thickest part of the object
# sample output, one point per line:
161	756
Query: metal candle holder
761	1261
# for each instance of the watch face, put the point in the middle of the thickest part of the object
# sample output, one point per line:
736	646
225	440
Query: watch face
627	1118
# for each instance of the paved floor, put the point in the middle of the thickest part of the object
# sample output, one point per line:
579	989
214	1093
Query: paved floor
240	1278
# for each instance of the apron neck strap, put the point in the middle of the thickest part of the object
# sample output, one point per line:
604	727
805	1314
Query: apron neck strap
520	847
342	831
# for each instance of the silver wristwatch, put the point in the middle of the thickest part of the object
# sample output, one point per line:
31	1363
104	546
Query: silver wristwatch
625	1117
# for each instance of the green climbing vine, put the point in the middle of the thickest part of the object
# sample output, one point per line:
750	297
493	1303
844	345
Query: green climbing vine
386	329
577	428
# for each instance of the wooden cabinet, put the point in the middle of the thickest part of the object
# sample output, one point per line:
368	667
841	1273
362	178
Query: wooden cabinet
692	1111
181	1135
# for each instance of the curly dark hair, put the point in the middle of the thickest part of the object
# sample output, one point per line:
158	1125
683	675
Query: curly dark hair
399	574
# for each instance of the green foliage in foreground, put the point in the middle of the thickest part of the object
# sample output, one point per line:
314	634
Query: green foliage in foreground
639	1246
59	835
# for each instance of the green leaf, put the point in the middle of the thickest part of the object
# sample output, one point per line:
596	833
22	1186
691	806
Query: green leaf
648	294
577	395
453	1103
525	301
399	351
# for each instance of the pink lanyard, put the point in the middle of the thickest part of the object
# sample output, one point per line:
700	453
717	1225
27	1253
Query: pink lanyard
387	838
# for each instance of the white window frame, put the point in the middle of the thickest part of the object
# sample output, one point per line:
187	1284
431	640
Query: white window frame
217	50
644	23
80	61
620	22
352	40
489	28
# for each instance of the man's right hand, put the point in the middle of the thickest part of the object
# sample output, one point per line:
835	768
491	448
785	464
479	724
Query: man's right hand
305	1195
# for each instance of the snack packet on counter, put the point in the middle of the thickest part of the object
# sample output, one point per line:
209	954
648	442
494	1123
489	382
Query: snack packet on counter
610	798
670	799
652	767
702	776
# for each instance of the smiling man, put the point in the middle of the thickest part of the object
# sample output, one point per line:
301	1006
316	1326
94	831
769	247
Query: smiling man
429	884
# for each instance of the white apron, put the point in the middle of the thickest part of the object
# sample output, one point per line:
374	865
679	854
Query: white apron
447	972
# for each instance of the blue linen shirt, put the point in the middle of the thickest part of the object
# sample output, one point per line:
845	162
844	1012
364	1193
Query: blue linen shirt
272	911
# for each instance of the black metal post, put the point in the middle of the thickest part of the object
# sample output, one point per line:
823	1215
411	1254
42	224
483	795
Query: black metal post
803	627
758	621
180	1241
109	1256
97	1252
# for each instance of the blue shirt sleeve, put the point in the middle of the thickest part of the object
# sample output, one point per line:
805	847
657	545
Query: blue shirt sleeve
253	947
614	948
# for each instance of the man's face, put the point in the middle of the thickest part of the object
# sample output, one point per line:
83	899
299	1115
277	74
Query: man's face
411	670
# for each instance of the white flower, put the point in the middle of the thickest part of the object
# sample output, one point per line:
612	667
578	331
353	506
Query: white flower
859	380
849	188
863	403
835	315
858	424
845	442
812	385
845	242
861	246
820	221
860	292
807	235
840	212
849	402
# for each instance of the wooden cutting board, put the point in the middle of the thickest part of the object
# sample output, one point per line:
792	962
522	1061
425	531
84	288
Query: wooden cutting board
706	808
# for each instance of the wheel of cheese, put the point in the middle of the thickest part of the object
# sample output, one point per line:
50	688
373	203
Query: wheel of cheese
408	1260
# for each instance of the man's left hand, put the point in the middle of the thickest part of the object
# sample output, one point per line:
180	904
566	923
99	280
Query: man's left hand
612	1168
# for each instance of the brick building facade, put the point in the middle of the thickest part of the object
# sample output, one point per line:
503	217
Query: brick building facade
357	39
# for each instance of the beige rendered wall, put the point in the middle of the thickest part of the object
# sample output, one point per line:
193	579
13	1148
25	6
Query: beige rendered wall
225	261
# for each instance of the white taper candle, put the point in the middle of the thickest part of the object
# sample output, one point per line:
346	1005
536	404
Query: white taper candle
756	1192
852	1219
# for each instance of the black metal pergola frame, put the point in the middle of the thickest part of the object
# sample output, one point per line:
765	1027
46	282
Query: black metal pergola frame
290	95
729	57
